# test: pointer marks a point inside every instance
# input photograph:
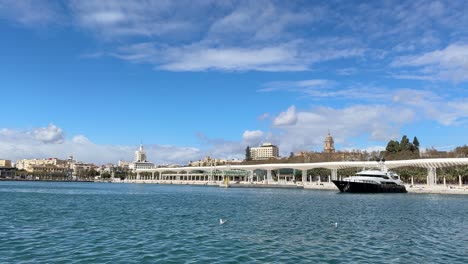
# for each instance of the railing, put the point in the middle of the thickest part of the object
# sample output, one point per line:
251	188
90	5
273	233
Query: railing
363	181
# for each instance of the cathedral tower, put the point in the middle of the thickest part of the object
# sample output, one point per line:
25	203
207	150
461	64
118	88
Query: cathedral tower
329	144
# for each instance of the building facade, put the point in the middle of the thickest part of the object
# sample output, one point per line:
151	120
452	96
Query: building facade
28	164
6	170
264	152
5	163
47	169
140	155
80	168
124	164
142	165
209	161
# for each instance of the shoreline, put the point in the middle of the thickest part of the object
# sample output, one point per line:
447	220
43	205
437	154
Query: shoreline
417	189
413	189
26	180
437	189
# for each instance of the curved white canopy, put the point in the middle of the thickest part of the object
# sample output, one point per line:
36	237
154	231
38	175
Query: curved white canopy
423	163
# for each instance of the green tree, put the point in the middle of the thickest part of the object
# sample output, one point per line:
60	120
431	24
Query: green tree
414	147
416	142
393	146
404	143
462	151
248	155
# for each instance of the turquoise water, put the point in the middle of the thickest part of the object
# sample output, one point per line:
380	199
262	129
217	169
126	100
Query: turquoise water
143	223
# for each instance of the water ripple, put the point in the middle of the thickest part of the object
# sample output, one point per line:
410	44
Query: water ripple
125	223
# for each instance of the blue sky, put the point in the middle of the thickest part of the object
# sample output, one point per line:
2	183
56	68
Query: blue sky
193	78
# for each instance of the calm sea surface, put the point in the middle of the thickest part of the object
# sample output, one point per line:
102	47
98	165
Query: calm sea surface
143	223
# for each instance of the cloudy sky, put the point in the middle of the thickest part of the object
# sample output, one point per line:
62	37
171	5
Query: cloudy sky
93	79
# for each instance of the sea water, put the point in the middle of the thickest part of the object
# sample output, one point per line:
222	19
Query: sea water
143	223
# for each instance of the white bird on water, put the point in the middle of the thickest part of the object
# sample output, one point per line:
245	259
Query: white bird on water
335	224
222	221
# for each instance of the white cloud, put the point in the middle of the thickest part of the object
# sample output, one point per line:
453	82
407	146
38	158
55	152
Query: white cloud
220	35
237	36
261	20
263	117
253	137
444	110
287	118
450	63
206	55
304	86
80	139
320	88
31	12
311	126
295	130
49	134
201	35
430	104
47	142
105	17
115	19
280	58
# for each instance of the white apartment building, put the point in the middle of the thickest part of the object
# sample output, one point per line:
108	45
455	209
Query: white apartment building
28	164
142	165
264	152
124	164
208	161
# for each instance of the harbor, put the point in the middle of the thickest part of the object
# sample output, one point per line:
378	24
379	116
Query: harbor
328	186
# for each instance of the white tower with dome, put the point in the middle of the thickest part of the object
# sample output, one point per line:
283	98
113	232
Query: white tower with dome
140	155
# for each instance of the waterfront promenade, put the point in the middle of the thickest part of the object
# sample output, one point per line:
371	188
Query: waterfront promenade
270	176
418	188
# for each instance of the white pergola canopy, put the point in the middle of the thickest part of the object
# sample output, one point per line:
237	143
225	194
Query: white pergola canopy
422	163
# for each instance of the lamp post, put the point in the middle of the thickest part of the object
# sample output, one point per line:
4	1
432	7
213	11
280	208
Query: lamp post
211	171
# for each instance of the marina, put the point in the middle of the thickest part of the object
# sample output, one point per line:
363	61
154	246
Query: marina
234	131
269	175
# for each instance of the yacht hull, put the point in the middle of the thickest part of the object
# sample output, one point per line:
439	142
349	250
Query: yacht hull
360	187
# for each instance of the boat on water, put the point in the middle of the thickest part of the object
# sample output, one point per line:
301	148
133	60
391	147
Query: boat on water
371	181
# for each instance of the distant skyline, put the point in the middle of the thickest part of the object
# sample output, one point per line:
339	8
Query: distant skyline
188	79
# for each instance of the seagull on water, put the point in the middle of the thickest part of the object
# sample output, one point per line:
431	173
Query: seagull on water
335	224
222	221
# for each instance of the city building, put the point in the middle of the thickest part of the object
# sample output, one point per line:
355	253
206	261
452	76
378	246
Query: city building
6	170
142	165
80	168
106	168
208	161
5	163
140	155
28	164
141	161
329	144
47	169
264	152
124	164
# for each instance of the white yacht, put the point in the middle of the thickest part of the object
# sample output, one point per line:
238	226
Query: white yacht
372	181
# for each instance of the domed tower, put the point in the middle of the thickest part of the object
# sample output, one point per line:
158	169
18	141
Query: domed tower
140	155
329	144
